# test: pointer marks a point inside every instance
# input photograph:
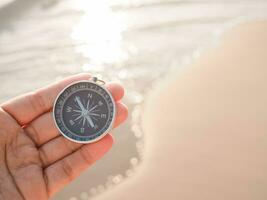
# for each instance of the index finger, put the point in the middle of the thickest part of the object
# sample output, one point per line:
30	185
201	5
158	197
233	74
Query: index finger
27	107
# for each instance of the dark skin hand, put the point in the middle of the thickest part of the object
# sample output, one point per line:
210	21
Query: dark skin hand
35	160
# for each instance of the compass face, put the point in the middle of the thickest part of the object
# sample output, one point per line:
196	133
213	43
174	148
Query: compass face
84	112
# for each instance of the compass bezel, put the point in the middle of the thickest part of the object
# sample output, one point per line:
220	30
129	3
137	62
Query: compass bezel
110	126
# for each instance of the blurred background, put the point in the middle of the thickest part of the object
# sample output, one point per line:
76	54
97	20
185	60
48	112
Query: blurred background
135	42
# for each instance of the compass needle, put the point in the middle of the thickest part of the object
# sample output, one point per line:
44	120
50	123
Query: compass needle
84	111
77	111
94	114
91	105
78	118
93	117
90	121
96	111
93	108
78	100
84	120
88	104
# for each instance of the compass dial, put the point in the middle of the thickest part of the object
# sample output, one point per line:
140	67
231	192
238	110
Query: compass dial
84	112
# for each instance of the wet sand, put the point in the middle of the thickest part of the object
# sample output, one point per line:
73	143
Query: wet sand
206	127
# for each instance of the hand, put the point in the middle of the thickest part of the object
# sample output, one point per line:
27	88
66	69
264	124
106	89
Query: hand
35	160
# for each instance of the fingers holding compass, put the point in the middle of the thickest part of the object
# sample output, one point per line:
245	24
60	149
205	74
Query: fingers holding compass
37	103
116	90
62	159
65	170
43	128
64	146
27	107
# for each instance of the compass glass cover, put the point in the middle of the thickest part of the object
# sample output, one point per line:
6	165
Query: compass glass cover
84	111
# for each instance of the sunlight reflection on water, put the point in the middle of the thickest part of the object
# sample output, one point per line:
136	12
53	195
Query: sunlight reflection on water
101	33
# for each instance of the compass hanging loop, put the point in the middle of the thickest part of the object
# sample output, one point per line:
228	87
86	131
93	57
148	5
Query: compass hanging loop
97	80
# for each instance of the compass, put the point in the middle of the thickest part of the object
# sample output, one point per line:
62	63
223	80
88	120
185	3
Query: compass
84	111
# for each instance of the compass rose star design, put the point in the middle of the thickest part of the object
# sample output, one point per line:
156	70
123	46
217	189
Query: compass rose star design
86	115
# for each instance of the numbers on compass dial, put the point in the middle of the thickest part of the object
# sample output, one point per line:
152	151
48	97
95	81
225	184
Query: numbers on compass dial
84	110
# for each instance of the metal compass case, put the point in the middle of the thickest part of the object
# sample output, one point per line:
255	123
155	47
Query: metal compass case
84	111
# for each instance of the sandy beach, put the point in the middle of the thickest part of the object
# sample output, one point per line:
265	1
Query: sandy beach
206	127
